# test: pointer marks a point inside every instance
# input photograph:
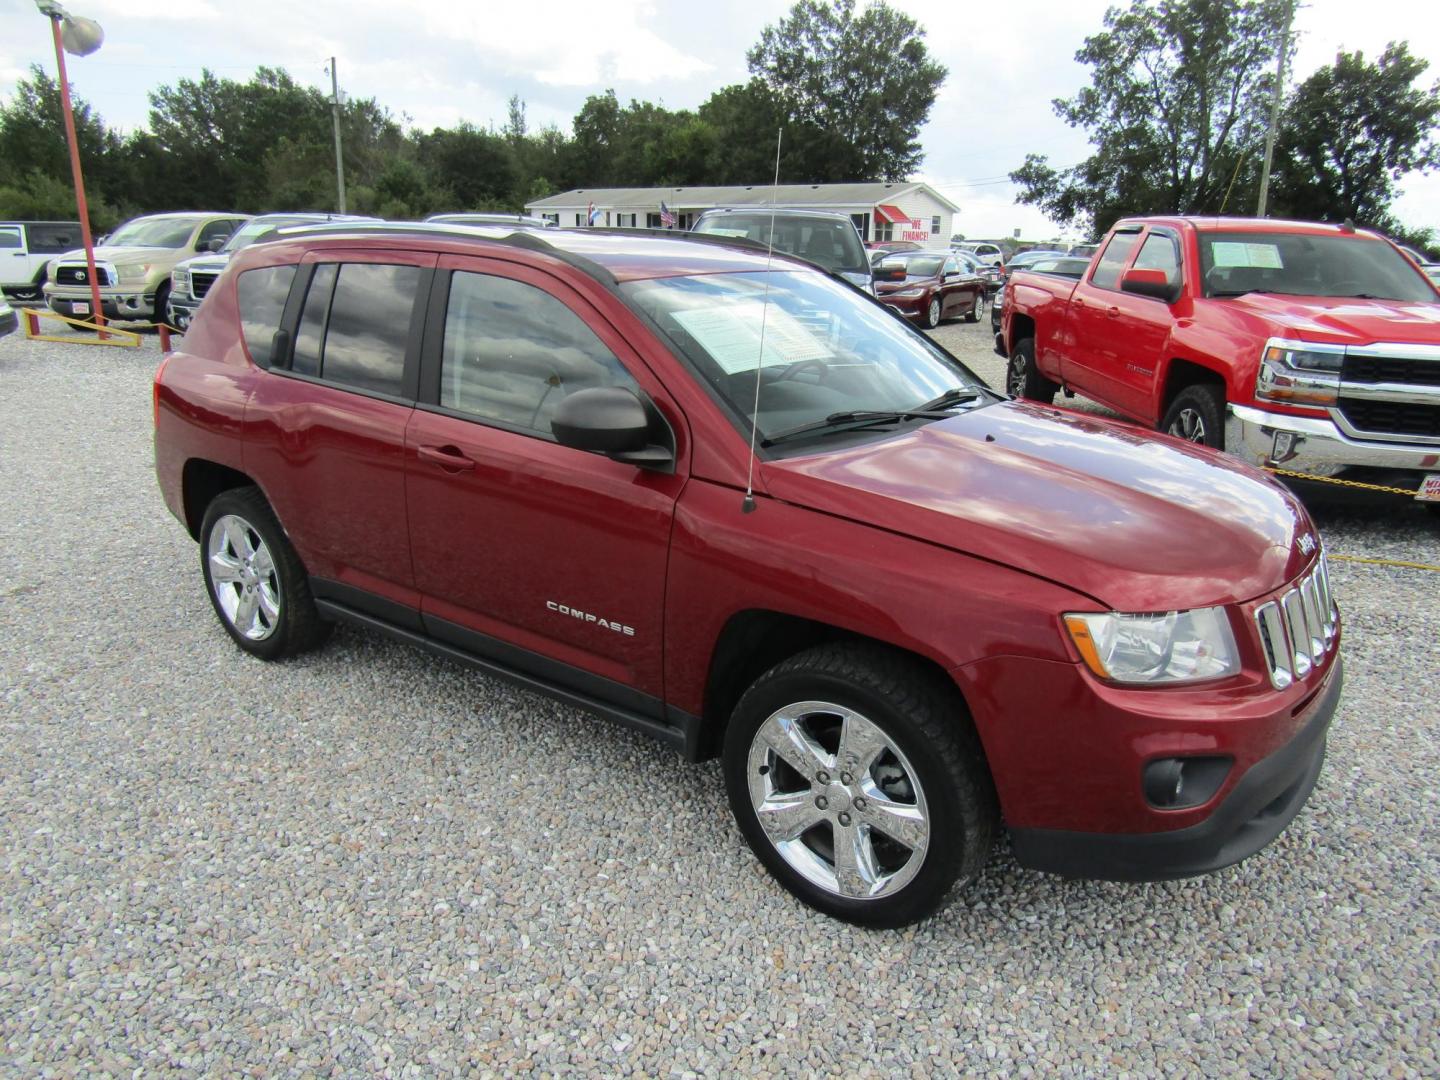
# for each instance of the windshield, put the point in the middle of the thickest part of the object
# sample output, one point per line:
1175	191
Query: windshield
1299	264
152	232
918	265
255	228
828	350
829	242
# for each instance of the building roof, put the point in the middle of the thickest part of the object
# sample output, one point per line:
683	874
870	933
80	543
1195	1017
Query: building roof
819	196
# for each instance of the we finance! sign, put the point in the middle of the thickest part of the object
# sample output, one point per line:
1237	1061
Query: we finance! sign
916	231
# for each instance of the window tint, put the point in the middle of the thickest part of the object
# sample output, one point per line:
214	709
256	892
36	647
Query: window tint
53	239
261	295
513	353
1117	252
1159	252
369	326
311	332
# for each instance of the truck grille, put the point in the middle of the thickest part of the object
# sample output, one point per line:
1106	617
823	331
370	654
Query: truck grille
1392	417
80	275
1299	628
1390	369
200	283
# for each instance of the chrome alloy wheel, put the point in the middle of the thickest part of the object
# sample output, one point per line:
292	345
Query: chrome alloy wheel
243	576
1188	424
1015	376
838	800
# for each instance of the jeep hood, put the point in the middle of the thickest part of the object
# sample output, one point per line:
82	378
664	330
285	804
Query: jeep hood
1137	521
1344	321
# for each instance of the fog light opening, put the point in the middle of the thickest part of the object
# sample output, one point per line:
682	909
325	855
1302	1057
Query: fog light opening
1179	783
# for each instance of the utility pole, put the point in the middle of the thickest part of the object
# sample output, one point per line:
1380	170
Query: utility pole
335	113
1275	109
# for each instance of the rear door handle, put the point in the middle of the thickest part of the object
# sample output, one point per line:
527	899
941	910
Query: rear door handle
447	457
1079	301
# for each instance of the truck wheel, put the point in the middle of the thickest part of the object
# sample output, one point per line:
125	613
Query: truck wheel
1023	378
931	317
1197	415
976	309
162	300
255	581
858	781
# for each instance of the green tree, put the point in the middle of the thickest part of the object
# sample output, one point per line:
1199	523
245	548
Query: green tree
1349	132
476	167
1176	110
858	87
35	158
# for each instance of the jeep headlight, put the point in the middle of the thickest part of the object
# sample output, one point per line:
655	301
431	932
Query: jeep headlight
1176	647
1297	373
134	271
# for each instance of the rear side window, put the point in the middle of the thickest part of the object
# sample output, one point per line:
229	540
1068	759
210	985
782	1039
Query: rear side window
513	352
9	238
355	325
53	239
1117	253
261	296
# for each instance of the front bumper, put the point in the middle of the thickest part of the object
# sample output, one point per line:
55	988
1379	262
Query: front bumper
116	302
1318	447
179	310
912	307
1257	809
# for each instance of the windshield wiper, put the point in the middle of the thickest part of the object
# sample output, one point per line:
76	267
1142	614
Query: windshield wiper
854	419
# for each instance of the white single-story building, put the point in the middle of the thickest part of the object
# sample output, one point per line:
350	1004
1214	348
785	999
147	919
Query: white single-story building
899	211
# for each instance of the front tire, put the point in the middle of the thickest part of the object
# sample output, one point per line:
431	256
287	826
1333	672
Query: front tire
162	300
858	781
931	318
976	309
1023	378
255	580
1197	415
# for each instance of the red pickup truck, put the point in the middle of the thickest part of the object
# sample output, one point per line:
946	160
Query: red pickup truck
1312	347
726	500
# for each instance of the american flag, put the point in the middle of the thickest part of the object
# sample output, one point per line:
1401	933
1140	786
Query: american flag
667	219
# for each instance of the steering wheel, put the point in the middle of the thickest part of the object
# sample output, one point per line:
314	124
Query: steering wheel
806	365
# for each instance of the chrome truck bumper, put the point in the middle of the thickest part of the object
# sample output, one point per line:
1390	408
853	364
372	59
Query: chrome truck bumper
1316	446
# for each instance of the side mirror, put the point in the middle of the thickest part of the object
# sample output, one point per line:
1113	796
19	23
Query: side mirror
891	272
1151	283
610	420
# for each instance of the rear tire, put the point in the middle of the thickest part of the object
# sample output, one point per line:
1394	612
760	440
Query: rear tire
1023	378
1197	415
255	580
856	745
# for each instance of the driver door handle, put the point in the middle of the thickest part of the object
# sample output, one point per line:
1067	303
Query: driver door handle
447	457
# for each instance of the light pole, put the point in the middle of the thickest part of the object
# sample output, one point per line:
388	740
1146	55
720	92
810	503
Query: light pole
81	37
335	115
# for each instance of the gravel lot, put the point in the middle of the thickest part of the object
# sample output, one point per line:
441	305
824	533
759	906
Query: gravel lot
374	862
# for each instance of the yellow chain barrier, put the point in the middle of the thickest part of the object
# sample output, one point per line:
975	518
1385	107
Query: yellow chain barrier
1367	487
1407	492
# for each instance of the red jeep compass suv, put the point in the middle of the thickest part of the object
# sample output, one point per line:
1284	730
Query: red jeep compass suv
732	502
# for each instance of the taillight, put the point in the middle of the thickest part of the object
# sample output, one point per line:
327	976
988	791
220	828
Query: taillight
155	390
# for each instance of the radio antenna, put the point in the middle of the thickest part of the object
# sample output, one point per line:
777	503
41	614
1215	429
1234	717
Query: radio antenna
747	505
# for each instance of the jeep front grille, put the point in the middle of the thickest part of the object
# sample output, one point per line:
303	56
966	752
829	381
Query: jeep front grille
200	283
1299	628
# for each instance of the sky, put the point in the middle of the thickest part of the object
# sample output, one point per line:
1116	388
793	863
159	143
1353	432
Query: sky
431	66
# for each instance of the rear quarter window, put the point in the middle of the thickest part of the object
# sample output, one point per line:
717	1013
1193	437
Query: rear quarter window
261	296
53	239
